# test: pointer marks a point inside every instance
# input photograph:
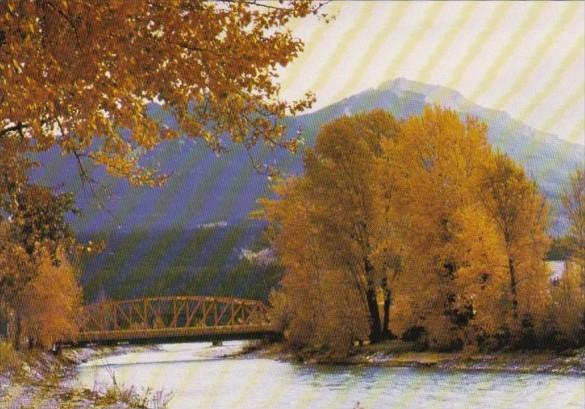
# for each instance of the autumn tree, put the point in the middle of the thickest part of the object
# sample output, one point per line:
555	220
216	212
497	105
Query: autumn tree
83	75
335	200
16	271
437	166
474	237
33	232
40	298
423	215
35	245
49	304
315	306
567	312
520	214
573	200
106	81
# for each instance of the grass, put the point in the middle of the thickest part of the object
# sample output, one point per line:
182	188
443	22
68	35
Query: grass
130	395
10	360
134	398
394	346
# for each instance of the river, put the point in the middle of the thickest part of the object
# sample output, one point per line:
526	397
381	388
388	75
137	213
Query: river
200	376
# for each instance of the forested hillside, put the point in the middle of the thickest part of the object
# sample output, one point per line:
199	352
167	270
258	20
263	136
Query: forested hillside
188	236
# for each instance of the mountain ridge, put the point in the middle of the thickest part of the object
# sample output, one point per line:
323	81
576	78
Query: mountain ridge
188	236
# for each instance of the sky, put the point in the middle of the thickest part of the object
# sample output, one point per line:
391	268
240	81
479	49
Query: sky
526	58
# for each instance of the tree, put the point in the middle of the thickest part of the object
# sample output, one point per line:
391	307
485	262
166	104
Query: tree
49	304
423	212
335	202
16	271
568	292
573	200
481	279
315	306
520	214
33	232
567	312
83	75
436	166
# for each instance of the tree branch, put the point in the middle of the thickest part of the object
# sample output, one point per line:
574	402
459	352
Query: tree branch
67	19
14	128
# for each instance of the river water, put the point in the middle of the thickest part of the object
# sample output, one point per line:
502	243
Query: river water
201	378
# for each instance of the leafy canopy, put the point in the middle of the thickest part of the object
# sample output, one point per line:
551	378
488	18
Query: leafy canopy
74	71
414	226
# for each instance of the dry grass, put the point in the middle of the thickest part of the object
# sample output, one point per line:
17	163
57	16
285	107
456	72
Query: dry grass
10	360
131	395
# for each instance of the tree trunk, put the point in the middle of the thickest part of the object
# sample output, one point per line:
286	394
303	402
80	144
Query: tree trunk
17	325
513	288
386	334
372	300
376	325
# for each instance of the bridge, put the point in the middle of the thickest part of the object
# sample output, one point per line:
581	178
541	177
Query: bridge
172	319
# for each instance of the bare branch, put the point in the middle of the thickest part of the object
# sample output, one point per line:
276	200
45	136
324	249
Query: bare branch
20	127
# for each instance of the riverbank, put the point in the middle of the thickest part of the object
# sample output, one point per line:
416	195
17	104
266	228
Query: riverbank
397	354
43	380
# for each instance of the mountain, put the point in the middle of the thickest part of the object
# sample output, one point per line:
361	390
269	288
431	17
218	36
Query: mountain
190	236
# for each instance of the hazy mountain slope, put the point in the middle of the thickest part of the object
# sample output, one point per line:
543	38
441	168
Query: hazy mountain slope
186	237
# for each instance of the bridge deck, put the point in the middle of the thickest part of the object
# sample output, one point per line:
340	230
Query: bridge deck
177	335
173	319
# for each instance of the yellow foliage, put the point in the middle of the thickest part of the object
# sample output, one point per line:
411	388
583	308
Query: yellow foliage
573	200
435	167
49	305
419	212
316	307
325	231
481	278
72	72
568	306
520	214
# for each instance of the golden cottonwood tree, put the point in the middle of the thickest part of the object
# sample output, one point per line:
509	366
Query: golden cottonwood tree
81	75
474	233
437	164
39	293
573	200
338	233
33	230
520	214
568	293
480	280
49	304
567	314
315	305
422	210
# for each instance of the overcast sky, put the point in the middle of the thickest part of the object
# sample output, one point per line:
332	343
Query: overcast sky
527	58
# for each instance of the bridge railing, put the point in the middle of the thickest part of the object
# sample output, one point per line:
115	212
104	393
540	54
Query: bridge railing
171	313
